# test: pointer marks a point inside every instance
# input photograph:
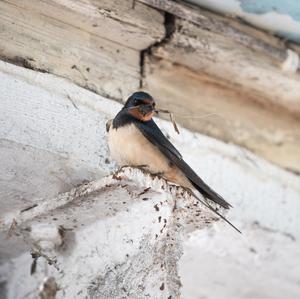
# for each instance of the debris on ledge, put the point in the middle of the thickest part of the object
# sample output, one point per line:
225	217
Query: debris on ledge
115	237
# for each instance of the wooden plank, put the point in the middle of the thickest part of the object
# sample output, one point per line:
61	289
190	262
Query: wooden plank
233	65
96	48
53	46
227	26
132	25
202	103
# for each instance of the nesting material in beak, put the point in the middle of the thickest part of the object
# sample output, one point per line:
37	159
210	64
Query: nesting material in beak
171	118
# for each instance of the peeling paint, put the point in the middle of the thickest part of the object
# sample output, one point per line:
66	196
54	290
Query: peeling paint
288	7
279	17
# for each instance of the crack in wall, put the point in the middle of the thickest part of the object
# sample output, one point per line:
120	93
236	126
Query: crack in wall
169	24
26	62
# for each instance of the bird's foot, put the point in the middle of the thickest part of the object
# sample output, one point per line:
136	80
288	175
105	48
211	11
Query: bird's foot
142	167
187	190
123	166
158	174
120	170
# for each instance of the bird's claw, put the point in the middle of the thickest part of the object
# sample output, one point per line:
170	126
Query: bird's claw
158	174
124	166
142	167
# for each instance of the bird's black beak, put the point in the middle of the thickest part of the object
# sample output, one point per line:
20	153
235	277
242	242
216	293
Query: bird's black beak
146	109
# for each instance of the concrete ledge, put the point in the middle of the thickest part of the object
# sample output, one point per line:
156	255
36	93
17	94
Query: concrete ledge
120	236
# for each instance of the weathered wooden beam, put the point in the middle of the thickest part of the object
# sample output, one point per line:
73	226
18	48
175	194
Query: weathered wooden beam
233	64
133	25
226	26
95	44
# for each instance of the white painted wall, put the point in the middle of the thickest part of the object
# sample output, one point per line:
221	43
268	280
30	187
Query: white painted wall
49	146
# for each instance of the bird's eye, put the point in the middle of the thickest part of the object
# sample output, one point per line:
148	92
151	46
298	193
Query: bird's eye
135	102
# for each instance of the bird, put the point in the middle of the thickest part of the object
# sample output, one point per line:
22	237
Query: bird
134	139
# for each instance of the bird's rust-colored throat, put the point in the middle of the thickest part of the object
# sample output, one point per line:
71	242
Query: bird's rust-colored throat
144	111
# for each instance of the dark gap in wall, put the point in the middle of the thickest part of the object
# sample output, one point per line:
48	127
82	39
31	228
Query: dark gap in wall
169	24
26	62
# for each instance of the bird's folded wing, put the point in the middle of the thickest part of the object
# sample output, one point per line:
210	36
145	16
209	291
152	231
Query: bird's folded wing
152	132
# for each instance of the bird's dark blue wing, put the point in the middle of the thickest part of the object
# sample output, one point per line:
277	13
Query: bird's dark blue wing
152	132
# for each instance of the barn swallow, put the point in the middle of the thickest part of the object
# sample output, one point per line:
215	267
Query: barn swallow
134	139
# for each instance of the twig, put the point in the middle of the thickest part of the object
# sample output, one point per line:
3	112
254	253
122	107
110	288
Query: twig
171	118
12	228
36	253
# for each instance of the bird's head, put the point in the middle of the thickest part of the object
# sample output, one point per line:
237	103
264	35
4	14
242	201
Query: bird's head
140	105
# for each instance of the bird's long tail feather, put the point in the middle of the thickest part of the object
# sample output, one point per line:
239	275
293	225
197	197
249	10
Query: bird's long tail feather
212	209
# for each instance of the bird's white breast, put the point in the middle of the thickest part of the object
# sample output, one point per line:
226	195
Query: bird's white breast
128	146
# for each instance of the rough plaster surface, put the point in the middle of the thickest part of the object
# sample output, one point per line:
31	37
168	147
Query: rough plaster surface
110	239
39	119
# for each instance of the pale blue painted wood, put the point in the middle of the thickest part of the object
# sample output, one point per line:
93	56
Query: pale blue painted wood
285	20
287	7
284	7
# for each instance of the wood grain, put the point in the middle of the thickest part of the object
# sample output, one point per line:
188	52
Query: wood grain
80	40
